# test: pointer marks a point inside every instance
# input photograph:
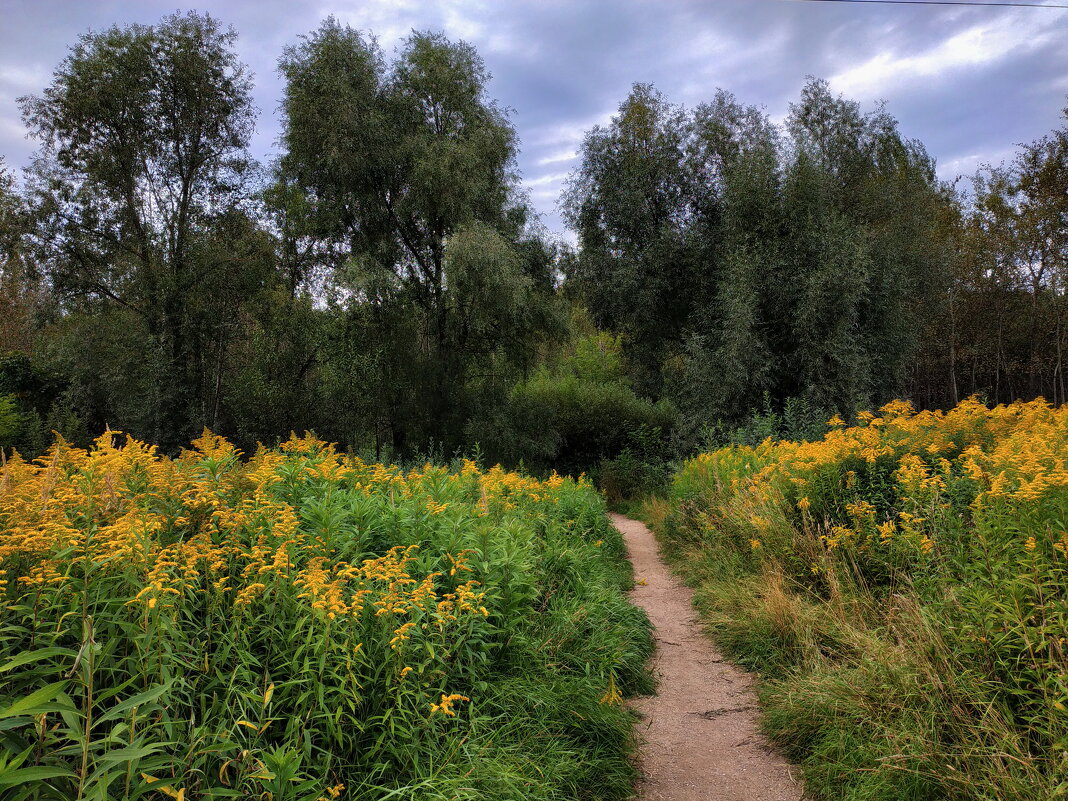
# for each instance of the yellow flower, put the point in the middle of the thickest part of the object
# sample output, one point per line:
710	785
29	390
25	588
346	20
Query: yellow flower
447	701
612	697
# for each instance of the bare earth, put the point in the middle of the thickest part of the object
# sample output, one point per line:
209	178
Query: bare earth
701	741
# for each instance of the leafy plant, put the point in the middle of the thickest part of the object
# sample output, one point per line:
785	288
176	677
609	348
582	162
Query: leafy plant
302	625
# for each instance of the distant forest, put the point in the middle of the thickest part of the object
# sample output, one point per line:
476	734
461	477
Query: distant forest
386	283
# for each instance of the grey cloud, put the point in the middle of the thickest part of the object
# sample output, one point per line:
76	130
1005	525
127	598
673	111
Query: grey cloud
564	66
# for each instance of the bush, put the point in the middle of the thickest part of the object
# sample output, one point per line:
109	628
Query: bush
574	417
798	420
639	471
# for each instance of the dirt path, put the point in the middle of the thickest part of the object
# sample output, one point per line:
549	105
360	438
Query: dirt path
701	741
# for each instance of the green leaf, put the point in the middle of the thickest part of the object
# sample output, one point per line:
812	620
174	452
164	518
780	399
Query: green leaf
146	697
131	752
36	774
35	656
25	706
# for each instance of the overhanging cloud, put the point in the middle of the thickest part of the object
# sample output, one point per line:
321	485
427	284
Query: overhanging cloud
969	82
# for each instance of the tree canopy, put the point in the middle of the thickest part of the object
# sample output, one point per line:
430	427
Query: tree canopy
741	258
139	189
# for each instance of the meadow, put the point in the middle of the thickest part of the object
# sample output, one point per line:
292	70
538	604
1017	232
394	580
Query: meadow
901	586
297	624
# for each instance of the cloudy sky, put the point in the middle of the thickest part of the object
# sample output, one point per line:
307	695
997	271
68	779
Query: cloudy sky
969	82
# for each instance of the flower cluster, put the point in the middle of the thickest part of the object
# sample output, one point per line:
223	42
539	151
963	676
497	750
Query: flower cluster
898	479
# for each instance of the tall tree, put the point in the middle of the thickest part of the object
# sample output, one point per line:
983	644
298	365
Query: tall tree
21	294
730	361
631	202
883	188
142	168
403	167
1006	317
740	259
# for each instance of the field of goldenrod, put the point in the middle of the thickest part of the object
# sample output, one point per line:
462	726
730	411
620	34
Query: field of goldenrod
301	625
903	584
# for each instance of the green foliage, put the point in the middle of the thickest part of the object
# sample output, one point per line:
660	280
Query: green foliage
799	420
641	468
1001	329
10	421
293	623
137	191
40	403
740	259
406	170
391	287
575	415
597	358
22	297
636	268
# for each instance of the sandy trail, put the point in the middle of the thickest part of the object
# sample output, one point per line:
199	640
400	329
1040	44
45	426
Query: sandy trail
701	741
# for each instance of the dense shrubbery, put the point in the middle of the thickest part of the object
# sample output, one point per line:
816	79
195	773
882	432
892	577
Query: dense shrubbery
578	413
902	584
211	627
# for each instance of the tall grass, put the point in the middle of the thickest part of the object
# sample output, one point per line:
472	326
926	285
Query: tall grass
902	584
301	625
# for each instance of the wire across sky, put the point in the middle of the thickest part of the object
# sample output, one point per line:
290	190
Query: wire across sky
994	4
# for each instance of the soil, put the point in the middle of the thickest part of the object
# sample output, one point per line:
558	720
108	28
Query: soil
700	733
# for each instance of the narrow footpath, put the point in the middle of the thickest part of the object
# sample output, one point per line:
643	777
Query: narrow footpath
700	736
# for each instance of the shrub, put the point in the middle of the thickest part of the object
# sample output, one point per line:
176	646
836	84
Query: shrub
573	417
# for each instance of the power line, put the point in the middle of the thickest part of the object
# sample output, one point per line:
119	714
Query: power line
941	3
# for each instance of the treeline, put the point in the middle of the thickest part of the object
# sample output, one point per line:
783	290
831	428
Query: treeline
383	283
386	283
819	265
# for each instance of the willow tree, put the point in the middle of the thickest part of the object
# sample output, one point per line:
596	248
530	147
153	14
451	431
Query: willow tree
403	168
631	203
138	186
742	259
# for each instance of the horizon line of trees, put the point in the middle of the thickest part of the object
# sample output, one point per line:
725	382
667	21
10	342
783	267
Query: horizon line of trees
386	283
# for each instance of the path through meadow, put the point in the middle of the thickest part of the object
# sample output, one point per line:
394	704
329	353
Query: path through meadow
700	736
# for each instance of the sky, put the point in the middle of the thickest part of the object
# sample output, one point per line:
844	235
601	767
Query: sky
970	83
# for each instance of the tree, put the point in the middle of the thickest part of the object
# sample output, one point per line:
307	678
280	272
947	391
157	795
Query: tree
730	358
406	171
632	202
884	189
739	259
1005	318
21	296
141	172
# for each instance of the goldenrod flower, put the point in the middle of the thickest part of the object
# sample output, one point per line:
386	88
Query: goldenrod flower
446	704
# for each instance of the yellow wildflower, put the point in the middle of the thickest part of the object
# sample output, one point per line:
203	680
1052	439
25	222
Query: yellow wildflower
445	707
